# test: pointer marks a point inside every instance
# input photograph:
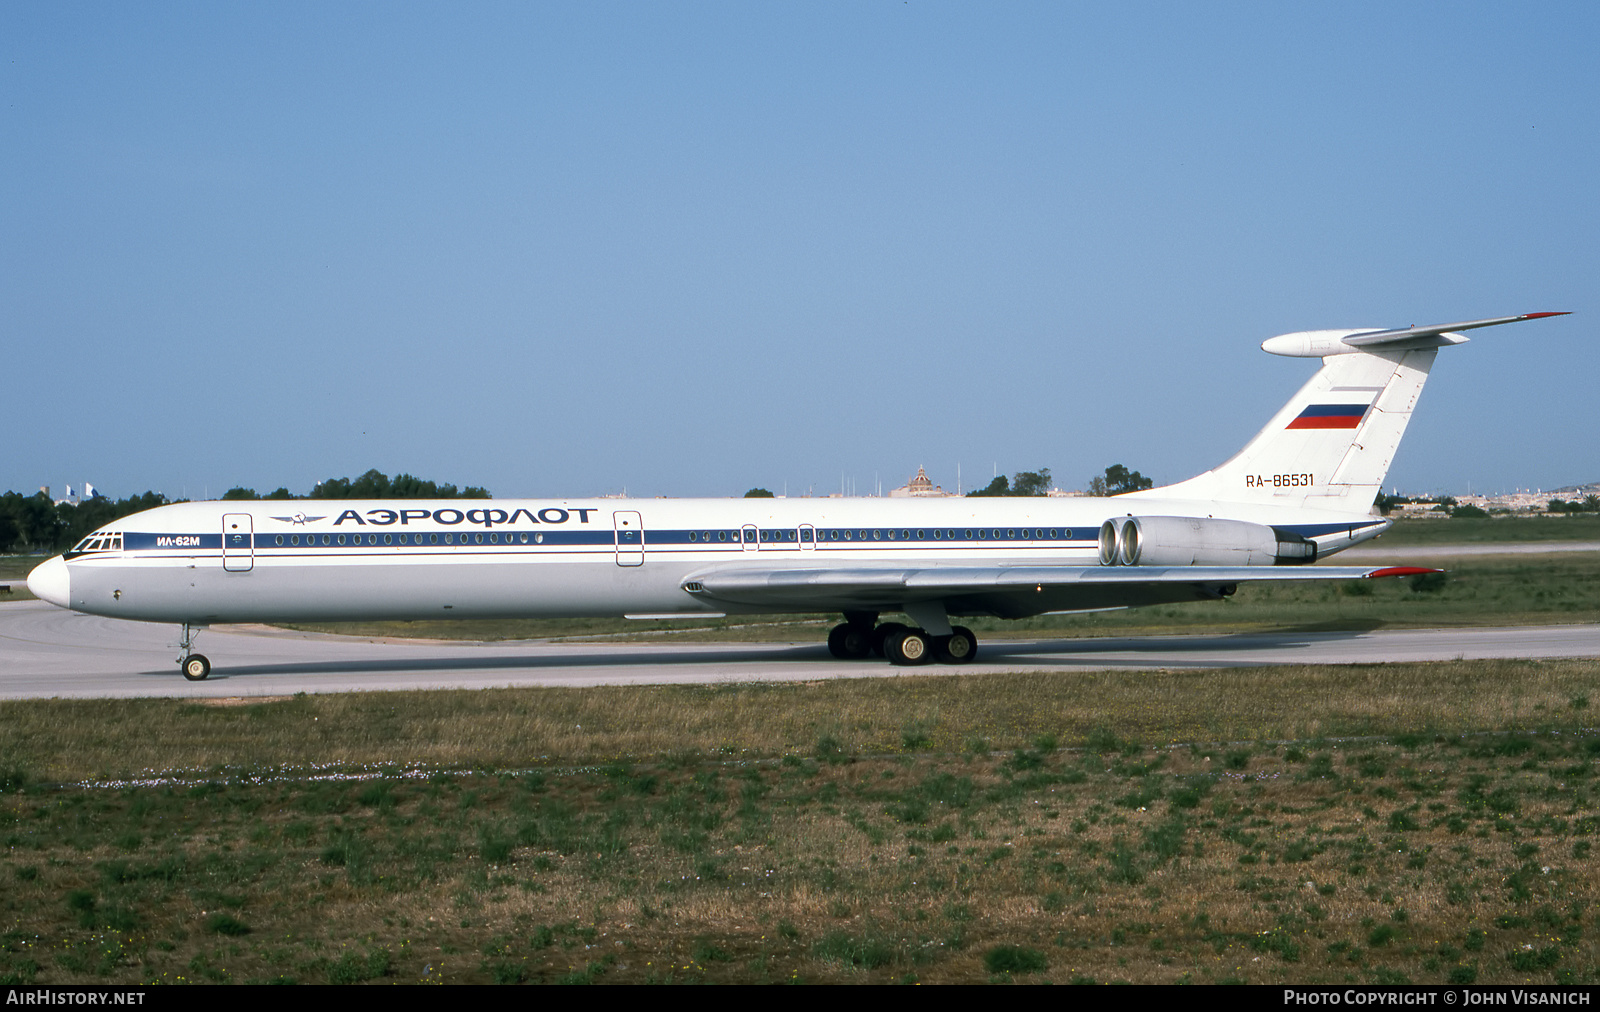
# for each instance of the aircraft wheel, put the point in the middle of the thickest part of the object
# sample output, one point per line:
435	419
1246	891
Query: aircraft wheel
849	643
957	648
883	634
907	647
196	667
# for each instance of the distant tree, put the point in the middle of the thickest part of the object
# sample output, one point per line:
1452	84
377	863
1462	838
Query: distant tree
1000	486
759	493
1031	482
40	523
376	485
234	494
279	493
1591	504
34	523
1387	503
1023	483
1468	511
1119	479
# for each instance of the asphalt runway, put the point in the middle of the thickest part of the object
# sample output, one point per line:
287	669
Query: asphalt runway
47	652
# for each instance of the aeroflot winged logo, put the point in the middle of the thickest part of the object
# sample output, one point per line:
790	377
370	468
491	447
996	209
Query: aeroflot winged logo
299	518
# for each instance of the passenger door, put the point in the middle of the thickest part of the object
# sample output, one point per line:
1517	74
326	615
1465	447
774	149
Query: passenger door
238	542
630	537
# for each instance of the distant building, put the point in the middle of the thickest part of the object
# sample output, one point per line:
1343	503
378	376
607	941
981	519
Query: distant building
920	486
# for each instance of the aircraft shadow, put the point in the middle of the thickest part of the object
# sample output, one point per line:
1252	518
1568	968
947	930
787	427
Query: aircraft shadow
675	657
1231	650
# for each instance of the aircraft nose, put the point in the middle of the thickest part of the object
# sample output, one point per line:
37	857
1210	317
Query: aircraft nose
51	582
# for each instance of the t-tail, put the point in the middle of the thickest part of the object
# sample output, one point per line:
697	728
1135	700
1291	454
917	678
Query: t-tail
1331	445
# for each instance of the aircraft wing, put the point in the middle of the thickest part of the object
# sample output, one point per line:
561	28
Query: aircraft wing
1004	591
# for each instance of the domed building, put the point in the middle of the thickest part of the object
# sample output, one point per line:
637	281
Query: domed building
920	485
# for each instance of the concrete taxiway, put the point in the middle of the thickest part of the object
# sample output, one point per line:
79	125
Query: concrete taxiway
48	652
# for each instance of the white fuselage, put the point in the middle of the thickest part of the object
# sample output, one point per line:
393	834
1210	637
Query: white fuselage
334	560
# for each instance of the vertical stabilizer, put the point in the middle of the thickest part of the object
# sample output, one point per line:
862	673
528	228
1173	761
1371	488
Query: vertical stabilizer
1331	445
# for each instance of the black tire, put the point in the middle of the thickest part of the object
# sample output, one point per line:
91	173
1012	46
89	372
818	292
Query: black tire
960	647
196	667
883	633
908	647
849	643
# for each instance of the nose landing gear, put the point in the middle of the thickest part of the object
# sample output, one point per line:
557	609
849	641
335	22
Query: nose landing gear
195	667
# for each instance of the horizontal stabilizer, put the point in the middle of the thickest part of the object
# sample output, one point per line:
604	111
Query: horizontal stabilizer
1324	343
1412	333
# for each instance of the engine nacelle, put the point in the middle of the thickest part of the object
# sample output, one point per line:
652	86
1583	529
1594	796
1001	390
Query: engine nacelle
1199	541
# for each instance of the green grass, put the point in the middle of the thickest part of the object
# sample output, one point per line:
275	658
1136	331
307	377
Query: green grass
1508	529
14	570
44	741
17	567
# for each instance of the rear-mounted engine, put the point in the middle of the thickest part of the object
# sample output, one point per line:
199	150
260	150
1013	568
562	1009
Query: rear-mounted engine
1199	541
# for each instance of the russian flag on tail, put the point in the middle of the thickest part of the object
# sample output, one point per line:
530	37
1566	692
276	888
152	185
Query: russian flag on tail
1330	416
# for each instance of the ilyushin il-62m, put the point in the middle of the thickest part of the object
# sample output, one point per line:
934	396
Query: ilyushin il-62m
1301	491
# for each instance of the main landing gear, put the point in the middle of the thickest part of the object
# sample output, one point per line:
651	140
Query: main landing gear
195	667
860	636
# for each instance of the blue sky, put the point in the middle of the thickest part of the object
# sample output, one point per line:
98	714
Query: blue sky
686	249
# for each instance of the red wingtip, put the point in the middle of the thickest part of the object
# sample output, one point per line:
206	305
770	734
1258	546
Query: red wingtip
1378	574
1540	316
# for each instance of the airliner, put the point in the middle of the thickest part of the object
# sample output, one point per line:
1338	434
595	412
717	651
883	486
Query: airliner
1302	490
